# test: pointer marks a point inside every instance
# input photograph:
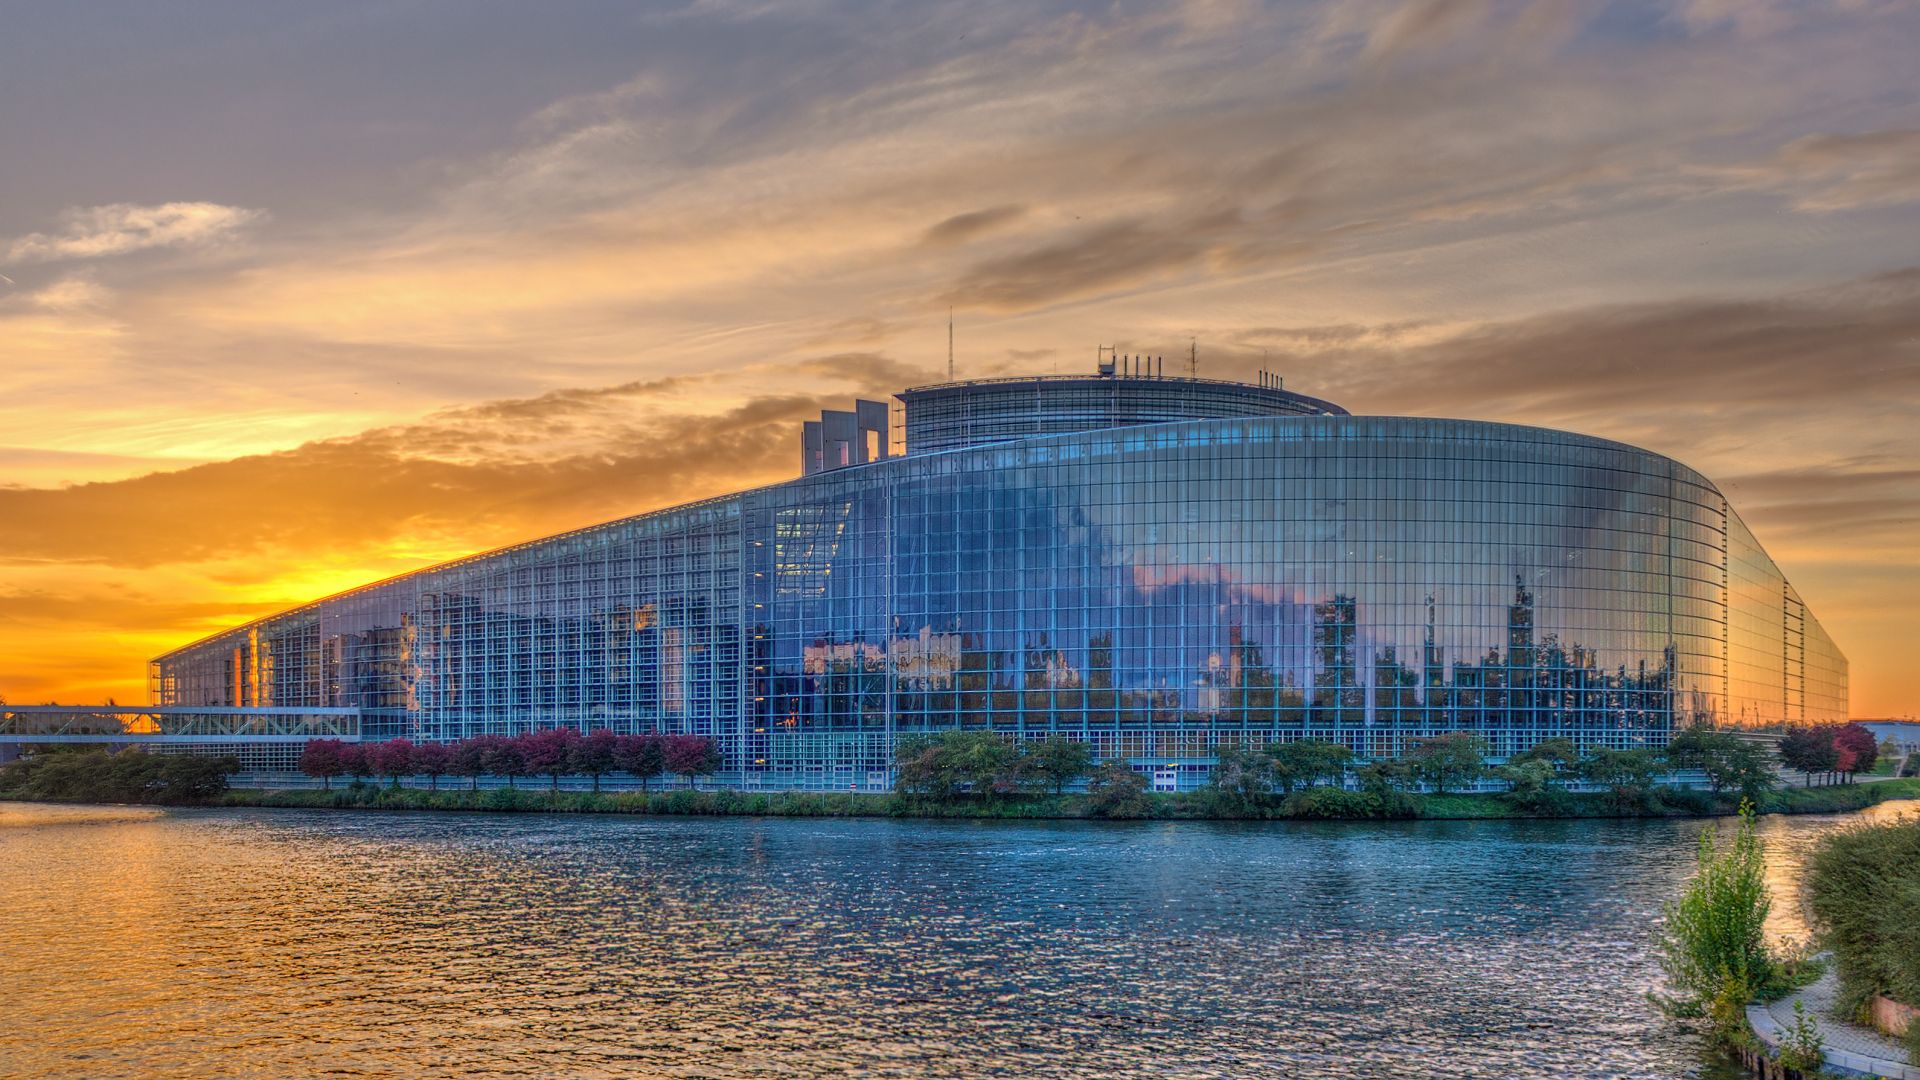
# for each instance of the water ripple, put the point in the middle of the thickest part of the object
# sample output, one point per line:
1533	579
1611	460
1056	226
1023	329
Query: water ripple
276	943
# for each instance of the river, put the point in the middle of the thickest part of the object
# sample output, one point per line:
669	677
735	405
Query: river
140	942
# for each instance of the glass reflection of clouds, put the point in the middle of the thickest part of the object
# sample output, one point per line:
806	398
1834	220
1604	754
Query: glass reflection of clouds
1176	564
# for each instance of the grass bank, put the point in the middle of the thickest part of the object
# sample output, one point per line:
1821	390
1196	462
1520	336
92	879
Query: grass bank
1190	805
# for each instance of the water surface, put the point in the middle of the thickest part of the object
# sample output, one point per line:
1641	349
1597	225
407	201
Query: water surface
138	942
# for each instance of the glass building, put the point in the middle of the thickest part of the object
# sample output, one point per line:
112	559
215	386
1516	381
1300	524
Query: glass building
1155	565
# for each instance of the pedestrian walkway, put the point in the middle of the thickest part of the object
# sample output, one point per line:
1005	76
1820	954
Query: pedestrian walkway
1850	1047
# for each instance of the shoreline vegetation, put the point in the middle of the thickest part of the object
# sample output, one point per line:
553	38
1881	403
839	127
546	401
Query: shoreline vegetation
1192	806
1862	888
980	774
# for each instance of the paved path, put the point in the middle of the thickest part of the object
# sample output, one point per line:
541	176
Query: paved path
1849	1046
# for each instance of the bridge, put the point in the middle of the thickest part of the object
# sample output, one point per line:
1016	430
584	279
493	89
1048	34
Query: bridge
173	724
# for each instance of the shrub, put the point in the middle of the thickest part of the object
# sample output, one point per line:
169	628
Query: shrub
1334	803
132	775
1863	888
1713	947
1691	801
1801	1047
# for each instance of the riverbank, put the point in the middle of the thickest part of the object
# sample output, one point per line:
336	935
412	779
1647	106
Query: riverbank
1188	805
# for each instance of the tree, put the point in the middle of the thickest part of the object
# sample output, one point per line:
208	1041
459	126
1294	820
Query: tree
1056	761
1809	750
1386	777
1530	785
921	767
1739	765
1307	762
432	760
472	758
643	756
322	758
1448	760
1240	776
1115	790
1626	774
392	759
1888	749
595	755
983	761
549	753
1560	754
507	757
1856	747
1690	747
1729	761
192	777
691	756
353	760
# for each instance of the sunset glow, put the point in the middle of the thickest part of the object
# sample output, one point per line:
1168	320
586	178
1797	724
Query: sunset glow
284	313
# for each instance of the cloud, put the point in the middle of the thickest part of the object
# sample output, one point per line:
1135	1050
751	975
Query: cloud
1799	351
961	228
365	492
75	292
1100	260
119	228
1424	23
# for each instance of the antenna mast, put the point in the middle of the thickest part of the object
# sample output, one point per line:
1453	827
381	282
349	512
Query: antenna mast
949	344
1193	358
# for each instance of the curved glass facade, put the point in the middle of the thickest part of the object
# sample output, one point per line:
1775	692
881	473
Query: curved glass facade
1153	589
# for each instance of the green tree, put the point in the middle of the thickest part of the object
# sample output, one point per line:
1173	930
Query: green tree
1386	777
1690	747
1743	767
1626	774
943	766
1116	791
1560	754
1450	760
1306	762
1240	778
1056	761
1531	786
921	767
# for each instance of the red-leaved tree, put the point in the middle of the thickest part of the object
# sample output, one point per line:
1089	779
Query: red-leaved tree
353	760
322	758
507	757
1858	749
594	755
549	753
392	759
643	756
691	756
472	758
432	760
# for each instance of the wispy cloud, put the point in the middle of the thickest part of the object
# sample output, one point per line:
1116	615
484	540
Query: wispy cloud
120	228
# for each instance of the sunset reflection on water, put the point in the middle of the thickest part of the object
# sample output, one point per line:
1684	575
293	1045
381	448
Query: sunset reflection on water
141	943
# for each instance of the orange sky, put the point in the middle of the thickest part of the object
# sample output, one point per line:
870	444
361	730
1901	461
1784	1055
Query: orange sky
282	314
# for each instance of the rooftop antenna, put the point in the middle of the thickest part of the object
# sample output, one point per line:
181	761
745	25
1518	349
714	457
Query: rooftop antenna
1193	358
949	343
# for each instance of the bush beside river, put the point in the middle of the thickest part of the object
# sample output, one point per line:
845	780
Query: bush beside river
1322	804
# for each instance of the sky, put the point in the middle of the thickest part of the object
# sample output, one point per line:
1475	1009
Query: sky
296	296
